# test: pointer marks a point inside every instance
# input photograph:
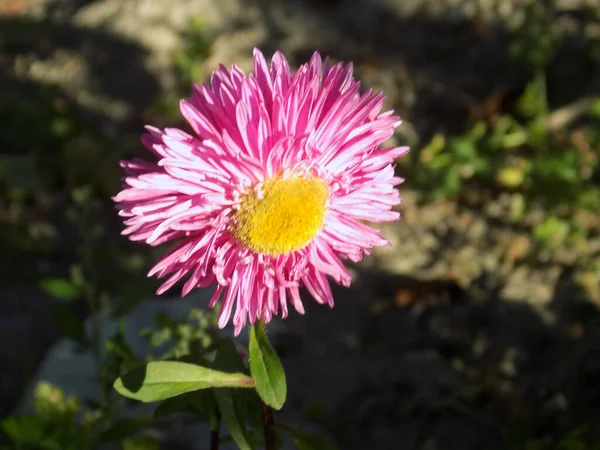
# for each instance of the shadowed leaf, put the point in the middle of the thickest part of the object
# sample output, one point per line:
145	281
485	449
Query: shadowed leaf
165	379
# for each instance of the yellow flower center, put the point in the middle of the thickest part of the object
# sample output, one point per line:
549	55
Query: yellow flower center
284	218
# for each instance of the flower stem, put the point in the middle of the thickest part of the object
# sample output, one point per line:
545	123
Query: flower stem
268	423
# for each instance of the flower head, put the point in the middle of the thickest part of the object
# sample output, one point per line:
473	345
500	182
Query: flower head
271	193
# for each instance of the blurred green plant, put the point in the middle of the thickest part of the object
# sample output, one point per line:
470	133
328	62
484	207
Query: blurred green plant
188	340
541	156
535	40
518	156
190	61
61	422
559	171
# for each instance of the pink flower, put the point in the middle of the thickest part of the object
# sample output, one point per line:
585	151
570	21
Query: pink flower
272	193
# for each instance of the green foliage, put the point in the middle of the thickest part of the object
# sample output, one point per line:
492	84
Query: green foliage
266	368
190	61
228	359
59	288
233	418
239	408
506	156
53	405
160	380
445	164
178	339
118	352
543	157
59	423
535	40
552	232
24	430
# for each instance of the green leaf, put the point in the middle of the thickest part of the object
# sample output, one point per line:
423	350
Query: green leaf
59	288
307	441
70	323
160	380
124	428
228	359
24	429
231	417
233	403
246	401
266	369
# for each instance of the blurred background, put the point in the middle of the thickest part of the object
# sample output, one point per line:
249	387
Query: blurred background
478	329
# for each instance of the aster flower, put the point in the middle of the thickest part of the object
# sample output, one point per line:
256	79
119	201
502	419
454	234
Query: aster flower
272	192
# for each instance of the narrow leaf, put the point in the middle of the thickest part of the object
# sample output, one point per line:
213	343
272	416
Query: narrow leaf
234	400
160	380
230	415
266	369
246	401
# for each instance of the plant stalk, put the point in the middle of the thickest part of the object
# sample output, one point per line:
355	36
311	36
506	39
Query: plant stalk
268	424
